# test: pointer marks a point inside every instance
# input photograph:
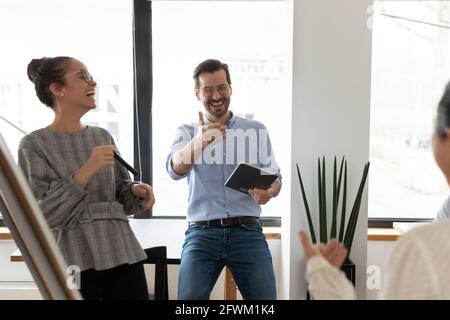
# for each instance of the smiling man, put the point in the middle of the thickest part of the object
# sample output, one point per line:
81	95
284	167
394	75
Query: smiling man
224	225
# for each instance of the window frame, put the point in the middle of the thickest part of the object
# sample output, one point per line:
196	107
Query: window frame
143	94
388	222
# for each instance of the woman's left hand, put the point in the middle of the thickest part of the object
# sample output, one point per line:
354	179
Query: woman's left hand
143	190
334	251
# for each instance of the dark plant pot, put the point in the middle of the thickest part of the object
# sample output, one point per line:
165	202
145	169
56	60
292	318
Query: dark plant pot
349	269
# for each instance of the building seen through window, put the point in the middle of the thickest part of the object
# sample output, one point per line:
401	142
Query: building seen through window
410	68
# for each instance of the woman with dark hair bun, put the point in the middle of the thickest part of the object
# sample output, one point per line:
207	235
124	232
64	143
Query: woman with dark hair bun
419	263
45	71
84	194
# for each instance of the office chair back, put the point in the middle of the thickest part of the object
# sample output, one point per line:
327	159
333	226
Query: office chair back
158	257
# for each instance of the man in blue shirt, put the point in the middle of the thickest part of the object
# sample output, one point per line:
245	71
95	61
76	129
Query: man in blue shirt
224	225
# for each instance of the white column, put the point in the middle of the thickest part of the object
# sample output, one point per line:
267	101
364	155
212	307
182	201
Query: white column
330	116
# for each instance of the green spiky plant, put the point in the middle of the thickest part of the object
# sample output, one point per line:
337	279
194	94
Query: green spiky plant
347	233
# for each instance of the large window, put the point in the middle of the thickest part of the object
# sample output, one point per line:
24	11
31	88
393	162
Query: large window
410	69
255	39
98	33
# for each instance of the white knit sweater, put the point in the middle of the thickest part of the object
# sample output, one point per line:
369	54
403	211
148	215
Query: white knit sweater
418	269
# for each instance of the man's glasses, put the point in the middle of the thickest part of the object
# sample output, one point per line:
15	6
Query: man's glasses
223	89
85	75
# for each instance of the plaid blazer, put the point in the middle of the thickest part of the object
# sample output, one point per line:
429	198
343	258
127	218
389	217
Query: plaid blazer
90	224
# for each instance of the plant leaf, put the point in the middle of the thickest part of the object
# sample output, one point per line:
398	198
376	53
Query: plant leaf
339	183
323	222
319	175
344	202
350	232
334	217
305	202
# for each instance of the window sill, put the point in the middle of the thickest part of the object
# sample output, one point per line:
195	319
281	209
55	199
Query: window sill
383	234
271	233
16	256
5	234
274	233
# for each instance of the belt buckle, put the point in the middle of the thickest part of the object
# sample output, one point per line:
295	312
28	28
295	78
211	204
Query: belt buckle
224	224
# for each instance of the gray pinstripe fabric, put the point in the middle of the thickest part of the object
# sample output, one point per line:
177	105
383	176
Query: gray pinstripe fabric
90	224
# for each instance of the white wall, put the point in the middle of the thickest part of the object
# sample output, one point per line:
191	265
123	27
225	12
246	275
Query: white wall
330	116
16	281
11	271
378	255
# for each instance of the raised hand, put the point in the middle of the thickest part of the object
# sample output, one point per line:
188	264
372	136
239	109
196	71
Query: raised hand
208	134
183	160
309	249
334	251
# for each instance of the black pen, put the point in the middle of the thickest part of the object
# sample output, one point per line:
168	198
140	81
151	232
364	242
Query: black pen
125	164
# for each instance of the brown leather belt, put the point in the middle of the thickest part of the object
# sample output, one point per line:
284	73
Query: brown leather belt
227	222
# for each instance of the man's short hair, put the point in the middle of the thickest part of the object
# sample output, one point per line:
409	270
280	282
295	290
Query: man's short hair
210	66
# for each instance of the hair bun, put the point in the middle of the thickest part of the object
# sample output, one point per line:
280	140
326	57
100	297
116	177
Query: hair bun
34	69
45	71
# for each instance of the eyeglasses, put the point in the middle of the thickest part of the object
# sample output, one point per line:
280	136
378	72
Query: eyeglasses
223	89
85	75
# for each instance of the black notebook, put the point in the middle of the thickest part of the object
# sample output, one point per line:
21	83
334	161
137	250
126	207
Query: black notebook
246	176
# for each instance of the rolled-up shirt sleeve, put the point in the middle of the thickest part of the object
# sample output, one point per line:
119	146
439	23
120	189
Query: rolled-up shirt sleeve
182	138
267	156
61	199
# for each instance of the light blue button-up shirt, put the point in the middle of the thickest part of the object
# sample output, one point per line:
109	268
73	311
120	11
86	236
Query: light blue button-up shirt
246	141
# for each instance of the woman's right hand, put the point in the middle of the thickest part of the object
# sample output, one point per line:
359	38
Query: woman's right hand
101	156
209	134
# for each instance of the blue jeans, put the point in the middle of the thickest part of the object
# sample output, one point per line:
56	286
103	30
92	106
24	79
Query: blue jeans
243	249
